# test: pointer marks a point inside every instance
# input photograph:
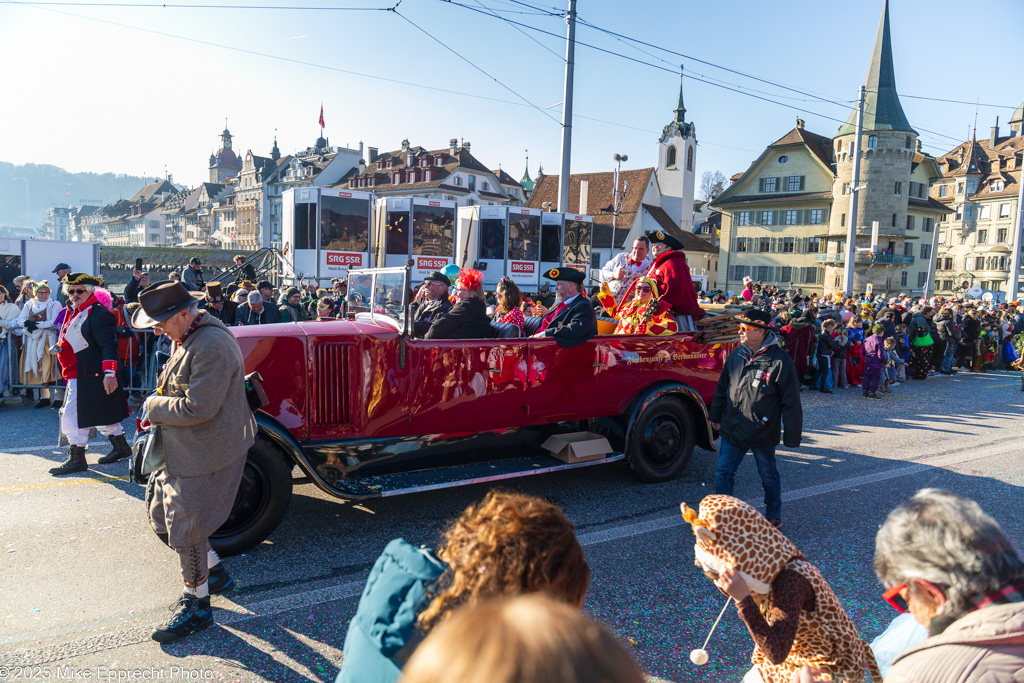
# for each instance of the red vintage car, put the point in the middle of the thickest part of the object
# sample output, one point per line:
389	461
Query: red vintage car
367	411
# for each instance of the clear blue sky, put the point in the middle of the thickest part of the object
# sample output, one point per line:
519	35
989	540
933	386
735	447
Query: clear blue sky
82	92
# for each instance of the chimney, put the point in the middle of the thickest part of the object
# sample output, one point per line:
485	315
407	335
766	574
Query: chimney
453	146
373	154
584	192
360	149
410	158
799	124
465	146
995	134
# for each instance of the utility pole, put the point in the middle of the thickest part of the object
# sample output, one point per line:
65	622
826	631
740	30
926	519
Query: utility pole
619	158
929	278
1015	245
570	57
851	228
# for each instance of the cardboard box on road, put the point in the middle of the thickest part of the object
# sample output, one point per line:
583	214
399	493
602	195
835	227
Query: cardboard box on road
578	446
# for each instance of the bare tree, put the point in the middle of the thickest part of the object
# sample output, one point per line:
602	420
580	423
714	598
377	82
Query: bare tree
711	185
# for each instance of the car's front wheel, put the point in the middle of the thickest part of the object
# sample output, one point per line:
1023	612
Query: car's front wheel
261	502
661	441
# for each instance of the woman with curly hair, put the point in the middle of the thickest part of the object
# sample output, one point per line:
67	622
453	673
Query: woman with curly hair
507	544
510	299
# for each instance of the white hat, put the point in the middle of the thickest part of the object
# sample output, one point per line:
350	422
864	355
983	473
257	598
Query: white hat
747	278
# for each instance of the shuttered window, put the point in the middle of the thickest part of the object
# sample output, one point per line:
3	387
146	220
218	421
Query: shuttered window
794	183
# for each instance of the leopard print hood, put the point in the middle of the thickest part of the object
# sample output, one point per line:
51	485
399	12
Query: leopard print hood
731	533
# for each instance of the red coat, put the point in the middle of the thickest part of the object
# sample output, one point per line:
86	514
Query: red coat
675	285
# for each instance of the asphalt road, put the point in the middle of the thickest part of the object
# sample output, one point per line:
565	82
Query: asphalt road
85	580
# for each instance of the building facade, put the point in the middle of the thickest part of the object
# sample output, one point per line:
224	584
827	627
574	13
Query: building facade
785	221
980	185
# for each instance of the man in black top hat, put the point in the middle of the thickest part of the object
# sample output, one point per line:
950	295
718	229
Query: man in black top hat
434	303
192	276
205	429
572	321
758	394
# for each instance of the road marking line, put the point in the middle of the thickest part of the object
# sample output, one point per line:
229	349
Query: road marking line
994	386
923	465
237	613
55	448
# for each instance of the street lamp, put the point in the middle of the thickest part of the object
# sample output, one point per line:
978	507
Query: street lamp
619	159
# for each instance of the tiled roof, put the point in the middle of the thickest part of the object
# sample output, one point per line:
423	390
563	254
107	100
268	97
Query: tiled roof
979	157
819	145
505	178
690	241
158	187
382	175
600	192
930	204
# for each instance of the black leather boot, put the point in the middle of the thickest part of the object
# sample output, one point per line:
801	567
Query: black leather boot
121	450
191	614
75	462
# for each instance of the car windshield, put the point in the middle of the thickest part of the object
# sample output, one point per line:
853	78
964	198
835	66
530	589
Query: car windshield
379	291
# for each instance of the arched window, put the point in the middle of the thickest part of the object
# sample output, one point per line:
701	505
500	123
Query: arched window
670	160
689	158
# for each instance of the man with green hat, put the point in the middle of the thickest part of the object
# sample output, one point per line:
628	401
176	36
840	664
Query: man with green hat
571	322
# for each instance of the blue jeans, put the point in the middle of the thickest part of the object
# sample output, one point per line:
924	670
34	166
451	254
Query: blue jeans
729	458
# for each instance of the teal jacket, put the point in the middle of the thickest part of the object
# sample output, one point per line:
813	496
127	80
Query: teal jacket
383	635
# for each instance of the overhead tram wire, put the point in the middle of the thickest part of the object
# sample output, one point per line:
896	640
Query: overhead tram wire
145	5
467	61
737	89
490	9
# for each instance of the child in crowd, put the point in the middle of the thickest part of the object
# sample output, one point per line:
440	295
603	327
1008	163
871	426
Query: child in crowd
893	367
875	360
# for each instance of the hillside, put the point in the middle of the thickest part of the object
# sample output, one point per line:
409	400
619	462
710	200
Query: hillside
50	186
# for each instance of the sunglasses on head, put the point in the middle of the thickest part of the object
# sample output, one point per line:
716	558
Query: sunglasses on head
894	596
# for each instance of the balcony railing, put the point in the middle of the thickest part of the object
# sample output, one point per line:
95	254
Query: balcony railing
864	257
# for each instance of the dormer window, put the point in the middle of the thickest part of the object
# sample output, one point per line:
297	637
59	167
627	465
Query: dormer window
424	162
438	161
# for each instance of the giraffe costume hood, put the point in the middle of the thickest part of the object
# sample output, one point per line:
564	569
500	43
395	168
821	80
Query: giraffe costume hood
731	533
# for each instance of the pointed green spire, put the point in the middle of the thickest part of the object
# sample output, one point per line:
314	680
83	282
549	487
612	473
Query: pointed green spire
882	108
680	108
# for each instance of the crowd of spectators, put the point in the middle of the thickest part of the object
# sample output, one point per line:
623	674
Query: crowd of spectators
875	343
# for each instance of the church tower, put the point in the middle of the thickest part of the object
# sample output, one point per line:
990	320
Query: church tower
677	161
224	164
887	149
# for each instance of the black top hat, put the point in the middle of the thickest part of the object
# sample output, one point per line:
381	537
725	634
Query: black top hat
756	318
567	273
162	300
663	237
439	277
62	266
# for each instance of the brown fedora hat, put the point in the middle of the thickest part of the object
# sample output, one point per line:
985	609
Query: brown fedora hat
160	301
214	292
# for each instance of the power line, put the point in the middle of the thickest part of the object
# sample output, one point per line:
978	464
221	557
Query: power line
467	61
489	9
939	99
64	3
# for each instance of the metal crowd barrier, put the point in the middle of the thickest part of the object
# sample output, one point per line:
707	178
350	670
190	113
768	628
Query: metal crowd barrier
138	378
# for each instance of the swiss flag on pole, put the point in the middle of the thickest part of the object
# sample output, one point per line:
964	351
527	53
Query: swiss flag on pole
321	115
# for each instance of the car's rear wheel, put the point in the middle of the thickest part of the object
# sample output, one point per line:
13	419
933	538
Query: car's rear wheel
661	441
261	501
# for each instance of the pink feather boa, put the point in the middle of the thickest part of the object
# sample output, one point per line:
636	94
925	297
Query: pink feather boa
104	297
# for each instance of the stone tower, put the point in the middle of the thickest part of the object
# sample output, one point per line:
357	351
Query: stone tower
224	163
677	161
888	146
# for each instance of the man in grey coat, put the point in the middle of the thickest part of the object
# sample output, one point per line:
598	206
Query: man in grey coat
204	430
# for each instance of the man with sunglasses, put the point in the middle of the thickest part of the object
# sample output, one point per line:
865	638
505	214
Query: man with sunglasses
950	564
758	393
88	362
433	304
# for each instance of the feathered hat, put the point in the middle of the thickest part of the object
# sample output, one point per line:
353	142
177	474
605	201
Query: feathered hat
471	279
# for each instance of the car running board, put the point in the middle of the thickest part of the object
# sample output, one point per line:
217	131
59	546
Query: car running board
386	485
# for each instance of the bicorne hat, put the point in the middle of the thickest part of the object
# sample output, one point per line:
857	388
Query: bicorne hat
756	318
82	279
162	300
569	274
663	237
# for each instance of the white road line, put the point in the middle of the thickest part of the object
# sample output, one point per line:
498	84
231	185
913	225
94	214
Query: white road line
53	447
237	614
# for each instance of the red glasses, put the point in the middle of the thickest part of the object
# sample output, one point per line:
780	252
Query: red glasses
894	596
